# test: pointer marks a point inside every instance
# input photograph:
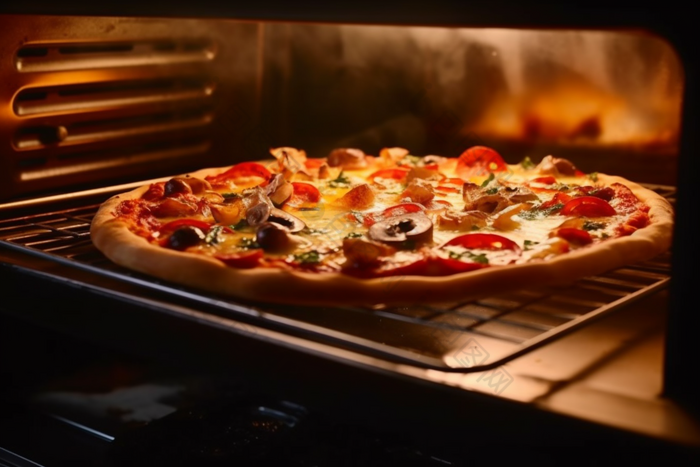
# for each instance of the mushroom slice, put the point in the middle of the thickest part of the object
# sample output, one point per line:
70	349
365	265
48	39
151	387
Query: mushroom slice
258	214
419	191
461	221
556	166
361	251
360	197
347	158
283	218
520	194
423	174
273	237
415	227
279	189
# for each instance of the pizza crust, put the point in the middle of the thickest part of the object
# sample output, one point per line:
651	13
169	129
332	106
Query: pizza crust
119	244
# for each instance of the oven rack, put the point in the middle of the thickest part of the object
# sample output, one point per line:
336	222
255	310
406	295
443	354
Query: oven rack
459	337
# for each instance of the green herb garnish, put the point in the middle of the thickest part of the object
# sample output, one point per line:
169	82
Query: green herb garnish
589	225
242	224
480	258
492	191
214	235
230	196
340	181
539	212
593	176
353	235
528	244
488	180
309	231
248	243
476	227
527	163
308	257
410	160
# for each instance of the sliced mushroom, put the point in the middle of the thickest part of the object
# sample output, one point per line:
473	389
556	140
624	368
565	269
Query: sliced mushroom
520	195
258	214
488	203
197	184
283	218
433	160
347	158
361	251
556	166
452	219
416	227
279	189
360	197
419	191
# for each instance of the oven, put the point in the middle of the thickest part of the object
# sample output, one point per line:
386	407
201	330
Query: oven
102	366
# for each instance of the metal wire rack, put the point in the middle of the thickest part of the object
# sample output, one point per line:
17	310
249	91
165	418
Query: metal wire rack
461	337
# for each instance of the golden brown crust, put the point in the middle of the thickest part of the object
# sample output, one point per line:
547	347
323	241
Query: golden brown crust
113	238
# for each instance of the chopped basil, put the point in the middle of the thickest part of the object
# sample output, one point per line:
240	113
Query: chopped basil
488	180
476	227
589	225
480	258
340	181
528	244
248	243
214	235
309	231
604	235
353	235
230	196
593	176
242	224
539	212
308	257
527	163
492	191
358	215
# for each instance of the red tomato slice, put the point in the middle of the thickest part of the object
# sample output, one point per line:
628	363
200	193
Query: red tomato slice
399	210
246	260
588	206
576	236
559	198
177	223
244	169
578	173
544	180
394	174
479	161
304	193
314	163
484	241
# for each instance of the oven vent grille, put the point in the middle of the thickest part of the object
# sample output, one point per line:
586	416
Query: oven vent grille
82	132
92	55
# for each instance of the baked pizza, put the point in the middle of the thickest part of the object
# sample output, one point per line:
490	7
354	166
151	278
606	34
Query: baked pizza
395	228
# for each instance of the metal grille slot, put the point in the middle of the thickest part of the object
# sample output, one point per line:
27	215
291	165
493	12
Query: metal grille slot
499	327
90	55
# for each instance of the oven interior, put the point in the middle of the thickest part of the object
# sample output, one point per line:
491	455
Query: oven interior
94	106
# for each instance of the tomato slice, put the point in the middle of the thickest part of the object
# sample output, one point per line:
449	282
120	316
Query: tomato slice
484	241
479	161
177	223
453	181
394	174
245	260
544	180
304	194
399	210
559	198
314	163
576	236
588	206
242	170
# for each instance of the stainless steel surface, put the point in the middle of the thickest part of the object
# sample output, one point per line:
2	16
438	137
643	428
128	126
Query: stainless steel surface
460	337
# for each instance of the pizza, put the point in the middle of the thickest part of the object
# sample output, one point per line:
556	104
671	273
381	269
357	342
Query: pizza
391	229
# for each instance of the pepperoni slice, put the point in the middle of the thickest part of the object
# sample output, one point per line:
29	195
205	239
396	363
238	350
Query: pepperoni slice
479	161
